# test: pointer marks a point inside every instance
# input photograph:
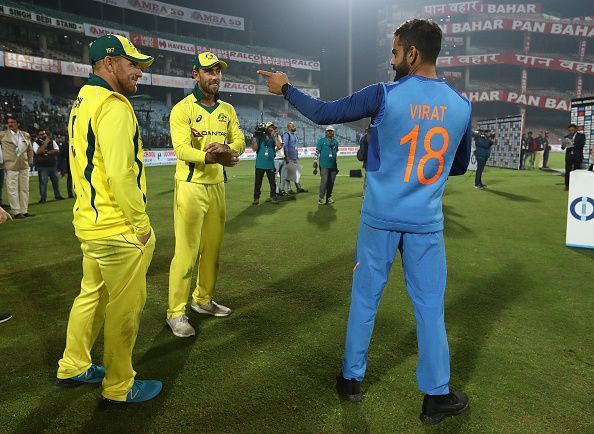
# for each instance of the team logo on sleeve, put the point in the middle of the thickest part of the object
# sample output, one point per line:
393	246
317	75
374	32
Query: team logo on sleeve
222	117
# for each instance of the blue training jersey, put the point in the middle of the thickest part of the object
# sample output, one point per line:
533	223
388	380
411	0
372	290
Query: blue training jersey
420	134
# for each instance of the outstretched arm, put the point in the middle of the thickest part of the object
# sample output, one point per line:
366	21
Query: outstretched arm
365	103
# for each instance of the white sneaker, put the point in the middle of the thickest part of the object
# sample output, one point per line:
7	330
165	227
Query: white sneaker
211	308
181	327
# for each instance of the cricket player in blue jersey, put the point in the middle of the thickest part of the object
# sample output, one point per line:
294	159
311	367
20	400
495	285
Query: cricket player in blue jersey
420	134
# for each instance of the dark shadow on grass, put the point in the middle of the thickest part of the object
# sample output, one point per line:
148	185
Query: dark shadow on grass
511	196
473	315
43	291
352	196
42	287
452	223
323	217
353	418
246	217
52	407
588	253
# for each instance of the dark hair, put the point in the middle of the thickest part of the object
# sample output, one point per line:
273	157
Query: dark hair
39	130
13	117
424	35
572	126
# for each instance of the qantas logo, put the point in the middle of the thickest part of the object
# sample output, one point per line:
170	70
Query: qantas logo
203	133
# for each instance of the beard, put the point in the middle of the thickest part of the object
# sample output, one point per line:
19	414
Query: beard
127	86
402	70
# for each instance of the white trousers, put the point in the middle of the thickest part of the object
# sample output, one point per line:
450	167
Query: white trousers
17	186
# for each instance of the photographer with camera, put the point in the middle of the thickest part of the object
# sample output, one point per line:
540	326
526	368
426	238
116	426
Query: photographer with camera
326	152
483	141
265	143
46	153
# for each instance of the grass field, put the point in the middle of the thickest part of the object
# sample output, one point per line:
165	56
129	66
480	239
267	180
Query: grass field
518	311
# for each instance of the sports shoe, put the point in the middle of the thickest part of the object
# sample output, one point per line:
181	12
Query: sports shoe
274	200
5	316
437	407
141	391
180	326
330	201
302	190
29	215
93	375
211	308
349	390
480	187
256	202
321	201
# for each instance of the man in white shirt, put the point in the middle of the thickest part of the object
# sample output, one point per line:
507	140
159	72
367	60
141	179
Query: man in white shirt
46	161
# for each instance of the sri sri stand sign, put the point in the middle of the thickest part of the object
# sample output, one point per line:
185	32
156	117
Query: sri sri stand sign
580	210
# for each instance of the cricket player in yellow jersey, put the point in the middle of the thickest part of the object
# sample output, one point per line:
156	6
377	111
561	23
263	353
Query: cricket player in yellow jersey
110	220
206	136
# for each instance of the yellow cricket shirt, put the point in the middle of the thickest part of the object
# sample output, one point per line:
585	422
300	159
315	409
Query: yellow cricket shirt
193	127
106	161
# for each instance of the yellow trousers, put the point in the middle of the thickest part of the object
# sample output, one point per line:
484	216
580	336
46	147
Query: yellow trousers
113	293
199	225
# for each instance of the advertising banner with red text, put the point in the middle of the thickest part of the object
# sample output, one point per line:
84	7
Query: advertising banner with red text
96	31
549	102
517	59
566	28
176	12
31	63
475	7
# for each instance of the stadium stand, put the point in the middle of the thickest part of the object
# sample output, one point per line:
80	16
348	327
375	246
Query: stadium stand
33	39
553	67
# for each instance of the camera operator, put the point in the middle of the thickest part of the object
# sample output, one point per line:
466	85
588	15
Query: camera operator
265	143
483	141
46	153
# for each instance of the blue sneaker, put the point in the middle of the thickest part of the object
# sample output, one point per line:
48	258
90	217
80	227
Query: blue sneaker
93	375
141	391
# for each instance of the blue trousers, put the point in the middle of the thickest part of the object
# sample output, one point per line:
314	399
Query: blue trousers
425	273
52	173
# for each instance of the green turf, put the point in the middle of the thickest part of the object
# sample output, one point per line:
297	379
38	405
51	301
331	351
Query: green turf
518	311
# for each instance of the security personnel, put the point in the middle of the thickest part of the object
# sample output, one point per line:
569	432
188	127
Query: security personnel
206	136
327	152
110	219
